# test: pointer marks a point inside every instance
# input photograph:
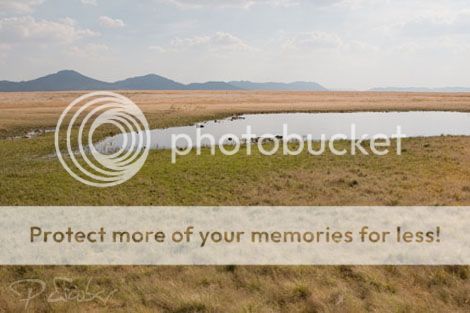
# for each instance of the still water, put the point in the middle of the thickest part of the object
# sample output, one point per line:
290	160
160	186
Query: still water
311	126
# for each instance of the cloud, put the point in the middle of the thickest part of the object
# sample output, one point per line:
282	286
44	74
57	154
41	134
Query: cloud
193	4
437	23
186	43
157	49
4	49
312	40
109	22
421	48
317	40
89	2
18	6
357	4
245	4
89	50
218	41
28	29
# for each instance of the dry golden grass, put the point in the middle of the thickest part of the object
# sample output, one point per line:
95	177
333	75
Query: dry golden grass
264	289
20	111
432	171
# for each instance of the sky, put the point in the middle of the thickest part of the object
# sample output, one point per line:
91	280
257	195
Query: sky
341	44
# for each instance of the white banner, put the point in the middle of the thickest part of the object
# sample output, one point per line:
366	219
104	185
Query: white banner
234	235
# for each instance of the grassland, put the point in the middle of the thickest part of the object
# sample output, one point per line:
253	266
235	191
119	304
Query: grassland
431	171
24	111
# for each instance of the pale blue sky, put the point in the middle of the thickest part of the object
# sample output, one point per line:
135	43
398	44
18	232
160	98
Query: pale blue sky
342	44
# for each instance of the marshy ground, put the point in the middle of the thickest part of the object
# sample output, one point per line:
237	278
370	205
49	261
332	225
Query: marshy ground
431	171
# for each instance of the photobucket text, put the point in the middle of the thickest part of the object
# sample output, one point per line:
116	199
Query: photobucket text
290	144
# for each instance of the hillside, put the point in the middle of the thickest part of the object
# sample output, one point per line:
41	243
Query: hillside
69	80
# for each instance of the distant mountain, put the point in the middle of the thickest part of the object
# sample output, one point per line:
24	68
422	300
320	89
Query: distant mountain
63	80
420	89
212	86
148	82
69	80
295	86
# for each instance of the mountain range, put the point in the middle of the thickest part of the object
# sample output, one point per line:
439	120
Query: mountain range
420	89
69	80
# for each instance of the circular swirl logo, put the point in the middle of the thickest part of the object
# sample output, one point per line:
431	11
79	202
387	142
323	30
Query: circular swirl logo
113	160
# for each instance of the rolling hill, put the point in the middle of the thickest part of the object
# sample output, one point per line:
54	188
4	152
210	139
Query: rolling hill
148	82
420	89
212	86
69	80
61	81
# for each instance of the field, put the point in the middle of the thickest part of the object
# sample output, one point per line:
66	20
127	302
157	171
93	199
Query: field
431	171
23	111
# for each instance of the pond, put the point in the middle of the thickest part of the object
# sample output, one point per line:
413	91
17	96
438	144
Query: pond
311	126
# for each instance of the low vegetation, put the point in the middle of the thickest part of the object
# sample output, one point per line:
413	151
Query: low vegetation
431	171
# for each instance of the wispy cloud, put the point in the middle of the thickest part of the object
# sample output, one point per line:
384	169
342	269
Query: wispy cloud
245	4
28	29
4	49
314	39
89	2
88	50
318	40
192	4
220	41
157	49
18	6
437	23
109	22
